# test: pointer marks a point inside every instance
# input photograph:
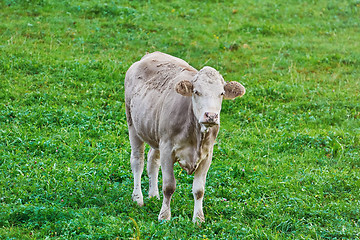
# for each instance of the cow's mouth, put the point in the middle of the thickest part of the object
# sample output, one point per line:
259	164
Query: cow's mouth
208	124
205	126
209	119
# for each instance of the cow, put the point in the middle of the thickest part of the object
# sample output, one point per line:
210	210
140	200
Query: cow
175	109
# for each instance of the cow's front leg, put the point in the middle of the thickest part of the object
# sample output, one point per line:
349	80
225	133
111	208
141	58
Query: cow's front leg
169	183
153	165
137	165
199	189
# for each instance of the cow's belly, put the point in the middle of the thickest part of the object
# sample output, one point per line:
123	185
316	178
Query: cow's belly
153	142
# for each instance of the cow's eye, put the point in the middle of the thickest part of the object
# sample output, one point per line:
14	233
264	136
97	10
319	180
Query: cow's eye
222	94
197	93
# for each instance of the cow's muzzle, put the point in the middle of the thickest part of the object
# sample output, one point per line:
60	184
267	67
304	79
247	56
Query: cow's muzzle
210	119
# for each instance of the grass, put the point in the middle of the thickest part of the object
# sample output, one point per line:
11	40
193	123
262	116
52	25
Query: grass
286	162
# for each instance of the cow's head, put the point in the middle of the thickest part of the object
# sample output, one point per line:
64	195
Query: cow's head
207	90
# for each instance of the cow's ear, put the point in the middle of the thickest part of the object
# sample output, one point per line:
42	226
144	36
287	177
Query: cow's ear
233	90
184	88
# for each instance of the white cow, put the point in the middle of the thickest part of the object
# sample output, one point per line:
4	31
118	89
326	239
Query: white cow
176	110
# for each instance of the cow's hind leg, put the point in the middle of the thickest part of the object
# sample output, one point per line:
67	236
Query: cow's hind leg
137	164
153	165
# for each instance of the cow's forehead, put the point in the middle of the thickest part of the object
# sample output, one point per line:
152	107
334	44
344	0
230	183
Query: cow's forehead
208	76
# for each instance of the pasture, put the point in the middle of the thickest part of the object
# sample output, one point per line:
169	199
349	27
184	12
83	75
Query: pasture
287	158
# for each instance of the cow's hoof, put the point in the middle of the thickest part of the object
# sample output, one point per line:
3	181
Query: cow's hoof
199	218
164	215
154	195
138	199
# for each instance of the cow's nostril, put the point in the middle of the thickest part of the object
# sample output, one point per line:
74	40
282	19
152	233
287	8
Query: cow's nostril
211	115
210	118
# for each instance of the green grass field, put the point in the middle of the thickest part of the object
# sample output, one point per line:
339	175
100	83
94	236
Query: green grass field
286	162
